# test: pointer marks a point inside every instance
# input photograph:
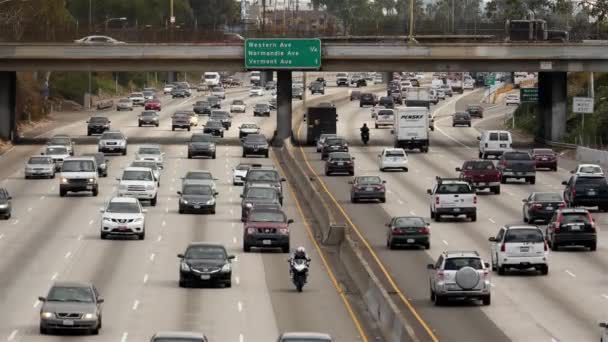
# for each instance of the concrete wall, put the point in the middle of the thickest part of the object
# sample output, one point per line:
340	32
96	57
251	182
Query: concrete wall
592	156
552	101
8	94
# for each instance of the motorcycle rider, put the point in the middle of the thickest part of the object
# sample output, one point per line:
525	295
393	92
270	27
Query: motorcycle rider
299	254
364	133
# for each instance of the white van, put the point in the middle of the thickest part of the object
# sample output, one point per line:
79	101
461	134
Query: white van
211	79
494	143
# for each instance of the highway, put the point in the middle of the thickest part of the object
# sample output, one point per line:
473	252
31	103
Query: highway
50	238
565	305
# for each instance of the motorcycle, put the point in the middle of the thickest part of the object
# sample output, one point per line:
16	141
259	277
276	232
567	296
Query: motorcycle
365	137
299	272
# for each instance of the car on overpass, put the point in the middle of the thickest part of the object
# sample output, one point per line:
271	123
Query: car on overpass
98	40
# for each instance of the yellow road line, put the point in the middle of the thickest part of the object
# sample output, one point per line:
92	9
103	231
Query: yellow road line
332	277
371	250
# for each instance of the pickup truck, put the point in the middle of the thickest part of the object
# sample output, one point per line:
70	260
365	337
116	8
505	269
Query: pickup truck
453	197
179	120
385	117
517	164
481	174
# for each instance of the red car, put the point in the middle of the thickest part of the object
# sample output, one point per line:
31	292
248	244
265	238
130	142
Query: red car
152	105
266	228
481	174
545	158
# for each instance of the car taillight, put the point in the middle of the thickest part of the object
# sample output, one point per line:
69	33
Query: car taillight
562	205
284	231
474	199
437	200
503	248
546	248
537	205
396	231
380	187
573	192
440	275
424	230
250	230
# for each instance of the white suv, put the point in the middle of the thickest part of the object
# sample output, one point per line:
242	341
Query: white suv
519	246
393	158
150	153
453	197
592	170
138	182
123	216
459	274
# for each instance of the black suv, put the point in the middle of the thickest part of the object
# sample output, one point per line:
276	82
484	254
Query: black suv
5	204
201	145
205	263
214	128
367	99
261	109
255	144
571	227
586	191
387	102
317	88
333	144
97	125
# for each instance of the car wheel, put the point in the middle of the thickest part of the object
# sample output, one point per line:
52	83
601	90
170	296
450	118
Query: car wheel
246	248
139	124
153	201
212	210
228	284
62	193
480	155
437	218
593	246
432	214
503	180
473	217
544	269
427	245
142	236
525	219
213	157
432	297
285	249
88	134
103	236
95	192
383	200
353	199
351	173
124	152
189	156
486	300
182	283
43	330
501	270
439	300
496	190
173	128
327	173
532	180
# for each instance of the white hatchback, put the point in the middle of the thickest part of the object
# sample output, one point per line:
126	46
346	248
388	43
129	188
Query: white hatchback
521	247
393	158
592	170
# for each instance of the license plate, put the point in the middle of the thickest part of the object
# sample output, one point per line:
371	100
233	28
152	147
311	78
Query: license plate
524	249
503	145
197	207
89	187
68	322
545	159
410	240
111	148
591	193
549	208
456	210
267	242
205	277
575	227
256	149
340	164
369	189
482	184
122	227
519	173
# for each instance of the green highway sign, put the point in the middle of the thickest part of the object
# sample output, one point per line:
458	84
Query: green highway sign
290	54
490	80
528	95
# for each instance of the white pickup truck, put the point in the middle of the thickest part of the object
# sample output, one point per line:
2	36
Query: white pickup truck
138	182
453	197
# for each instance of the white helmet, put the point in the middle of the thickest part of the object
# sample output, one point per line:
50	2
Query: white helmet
301	250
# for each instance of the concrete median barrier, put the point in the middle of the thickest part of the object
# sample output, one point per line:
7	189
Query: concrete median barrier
591	155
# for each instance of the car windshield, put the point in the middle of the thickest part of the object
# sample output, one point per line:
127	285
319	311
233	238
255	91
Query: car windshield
213	124
218	89
394	154
148	113
201	138
150	164
148	93
547	197
590	169
517	156
210	77
137	95
202	103
250	139
261	106
123	207
39	160
261	193
200	190
199	175
238	102
70	294
137	175
339	156
59	141
455	264
543	151
409	222
98	120
249	126
243	167
574	218
335	141
267	216
369	180
461	115
149	150
56	150
479	166
78	166
524	235
205	252
262	175
454	188
386	112
113	136
124	101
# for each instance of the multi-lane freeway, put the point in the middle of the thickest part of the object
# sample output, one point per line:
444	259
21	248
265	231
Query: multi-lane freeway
52	239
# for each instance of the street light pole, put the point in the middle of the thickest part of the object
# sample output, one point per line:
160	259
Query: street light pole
90	17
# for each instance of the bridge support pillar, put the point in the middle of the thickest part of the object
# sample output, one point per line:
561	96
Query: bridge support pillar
8	96
283	107
552	103
266	76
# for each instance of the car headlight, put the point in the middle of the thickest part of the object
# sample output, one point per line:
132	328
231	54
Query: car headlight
100	143
107	219
184	201
226	268
248	205
47	314
90	316
3	206
137	220
150	187
211	201
64	180
91	180
185	267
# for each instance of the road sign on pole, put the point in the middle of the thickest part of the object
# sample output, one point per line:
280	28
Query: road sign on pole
582	105
528	95
490	80
292	54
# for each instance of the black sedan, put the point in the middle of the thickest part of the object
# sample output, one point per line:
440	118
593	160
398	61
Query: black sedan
177	92
204	263
333	144
148	117
201	145
255	144
461	119
98	125
195	198
540	206
317	88
261	109
340	162
367	99
408	231
367	188
214	128
202	107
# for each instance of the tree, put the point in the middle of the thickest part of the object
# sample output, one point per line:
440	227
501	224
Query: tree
213	13
596	8
19	16
501	10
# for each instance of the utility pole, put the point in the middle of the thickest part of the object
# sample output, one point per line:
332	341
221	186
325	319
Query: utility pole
410	37
453	18
90	16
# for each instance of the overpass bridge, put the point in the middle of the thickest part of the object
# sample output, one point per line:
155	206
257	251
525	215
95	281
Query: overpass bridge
551	60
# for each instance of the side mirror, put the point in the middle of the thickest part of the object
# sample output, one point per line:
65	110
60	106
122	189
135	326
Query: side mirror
352	158
87	121
109	121
525	200
458	169
214	179
181	256
383	182
479	138
486	264
428	191
430	266
603	325
231	257
216	193
42	299
492	239
392	131
118	179
41	153
290	221
564	183
160	167
241	195
351	182
179	193
100	300
573	173
379	155
283	179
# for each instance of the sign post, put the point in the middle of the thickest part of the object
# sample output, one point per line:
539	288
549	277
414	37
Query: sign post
582	105
291	54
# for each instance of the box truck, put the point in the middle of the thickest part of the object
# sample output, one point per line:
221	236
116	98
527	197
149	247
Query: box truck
411	128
